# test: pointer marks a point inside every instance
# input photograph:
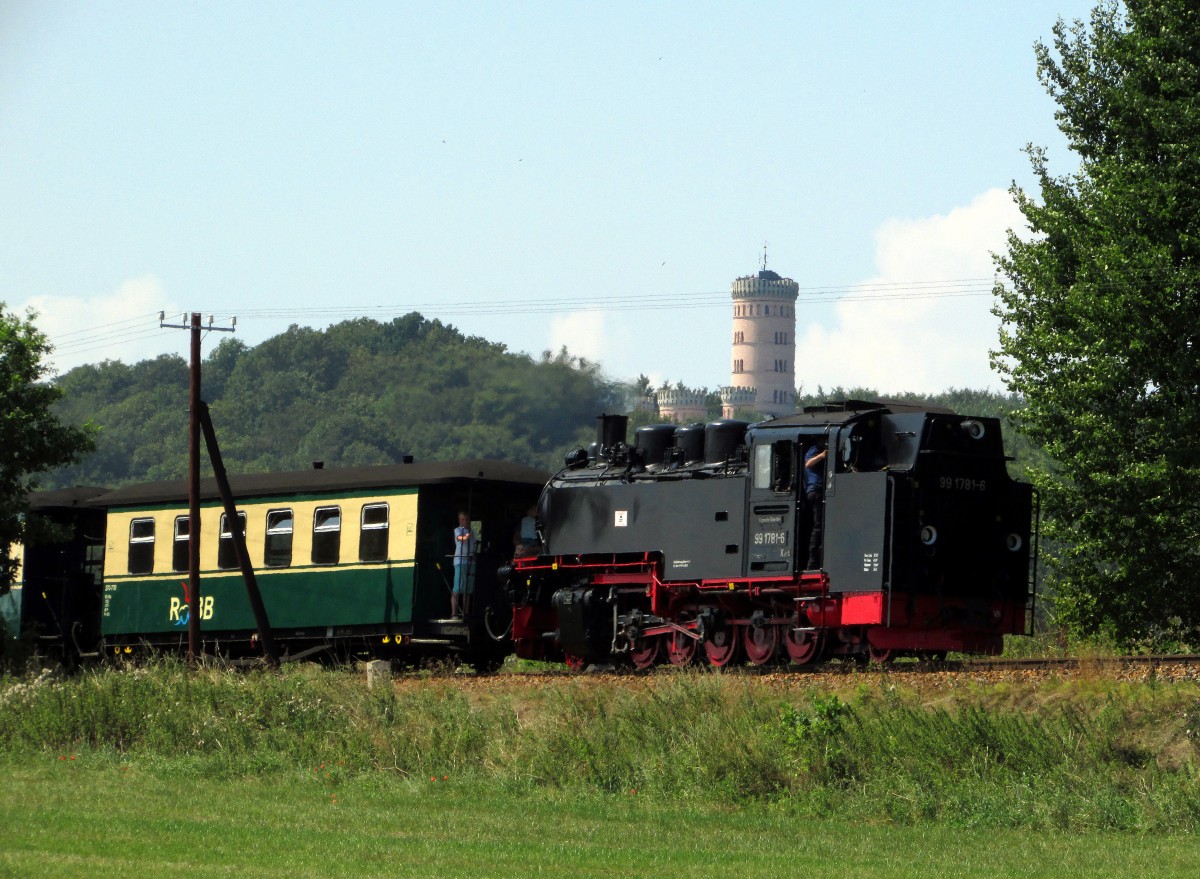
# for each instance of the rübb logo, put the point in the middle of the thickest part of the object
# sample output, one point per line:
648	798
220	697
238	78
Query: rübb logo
179	610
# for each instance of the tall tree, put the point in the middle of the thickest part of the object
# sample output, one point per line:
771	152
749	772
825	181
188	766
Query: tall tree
1101	319
31	439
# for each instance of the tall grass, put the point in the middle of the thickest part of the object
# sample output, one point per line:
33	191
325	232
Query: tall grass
1062	767
1119	758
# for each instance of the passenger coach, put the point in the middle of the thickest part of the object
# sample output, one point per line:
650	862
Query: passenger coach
348	561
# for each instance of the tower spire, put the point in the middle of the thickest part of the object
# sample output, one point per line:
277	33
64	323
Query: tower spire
764	257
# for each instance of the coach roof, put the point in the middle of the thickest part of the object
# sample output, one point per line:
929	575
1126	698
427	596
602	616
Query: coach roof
65	498
327	481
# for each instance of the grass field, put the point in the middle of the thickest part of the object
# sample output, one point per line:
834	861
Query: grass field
92	817
158	771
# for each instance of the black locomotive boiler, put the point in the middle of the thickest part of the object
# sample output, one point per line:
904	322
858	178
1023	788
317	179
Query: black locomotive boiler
696	542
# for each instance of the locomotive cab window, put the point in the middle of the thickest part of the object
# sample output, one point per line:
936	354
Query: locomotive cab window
141	546
373	537
327	535
277	552
762	466
773	466
226	553
179	550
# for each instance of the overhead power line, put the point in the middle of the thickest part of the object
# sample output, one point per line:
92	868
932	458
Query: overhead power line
140	327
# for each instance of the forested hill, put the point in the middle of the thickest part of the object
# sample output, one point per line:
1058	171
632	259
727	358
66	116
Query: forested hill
360	392
363	392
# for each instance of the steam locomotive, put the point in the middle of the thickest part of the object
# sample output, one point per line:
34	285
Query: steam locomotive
693	543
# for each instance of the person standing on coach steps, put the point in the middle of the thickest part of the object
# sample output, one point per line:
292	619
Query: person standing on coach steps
464	574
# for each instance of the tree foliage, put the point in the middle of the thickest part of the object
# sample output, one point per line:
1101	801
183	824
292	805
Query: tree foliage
1101	319
359	392
32	439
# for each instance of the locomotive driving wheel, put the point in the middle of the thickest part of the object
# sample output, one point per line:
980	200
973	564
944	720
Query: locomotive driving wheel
681	650
644	652
880	655
761	642
721	646
802	647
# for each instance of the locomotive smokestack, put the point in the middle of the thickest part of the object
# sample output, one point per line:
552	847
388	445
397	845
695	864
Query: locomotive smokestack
612	430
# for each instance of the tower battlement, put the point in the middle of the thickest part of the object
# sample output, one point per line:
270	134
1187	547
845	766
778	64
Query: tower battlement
735	398
765	285
682	404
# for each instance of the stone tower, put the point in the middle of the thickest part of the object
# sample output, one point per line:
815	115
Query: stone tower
764	345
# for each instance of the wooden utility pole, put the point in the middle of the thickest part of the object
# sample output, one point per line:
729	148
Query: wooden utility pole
194	402
193	596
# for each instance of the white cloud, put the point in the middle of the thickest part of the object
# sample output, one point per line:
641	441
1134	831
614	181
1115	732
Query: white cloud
583	332
908	339
116	326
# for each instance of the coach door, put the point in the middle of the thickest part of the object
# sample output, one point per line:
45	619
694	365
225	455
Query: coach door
771	525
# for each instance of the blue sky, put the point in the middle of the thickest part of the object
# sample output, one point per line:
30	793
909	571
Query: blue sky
536	173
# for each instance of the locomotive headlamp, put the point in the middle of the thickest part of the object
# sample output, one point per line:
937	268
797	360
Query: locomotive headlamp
929	535
974	429
1014	542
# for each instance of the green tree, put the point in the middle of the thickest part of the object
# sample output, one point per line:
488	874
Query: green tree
32	440
1101	319
359	392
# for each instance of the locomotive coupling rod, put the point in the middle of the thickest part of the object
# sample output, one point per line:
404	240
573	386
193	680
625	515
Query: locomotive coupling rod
660	624
678	628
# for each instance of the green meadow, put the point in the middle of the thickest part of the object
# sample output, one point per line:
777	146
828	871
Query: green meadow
309	772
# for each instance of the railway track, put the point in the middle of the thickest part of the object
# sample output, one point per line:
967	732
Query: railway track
1161	668
1148	661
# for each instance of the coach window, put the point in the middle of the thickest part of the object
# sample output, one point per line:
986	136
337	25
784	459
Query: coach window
141	546
373	539
179	551
327	535
278	550
226	554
